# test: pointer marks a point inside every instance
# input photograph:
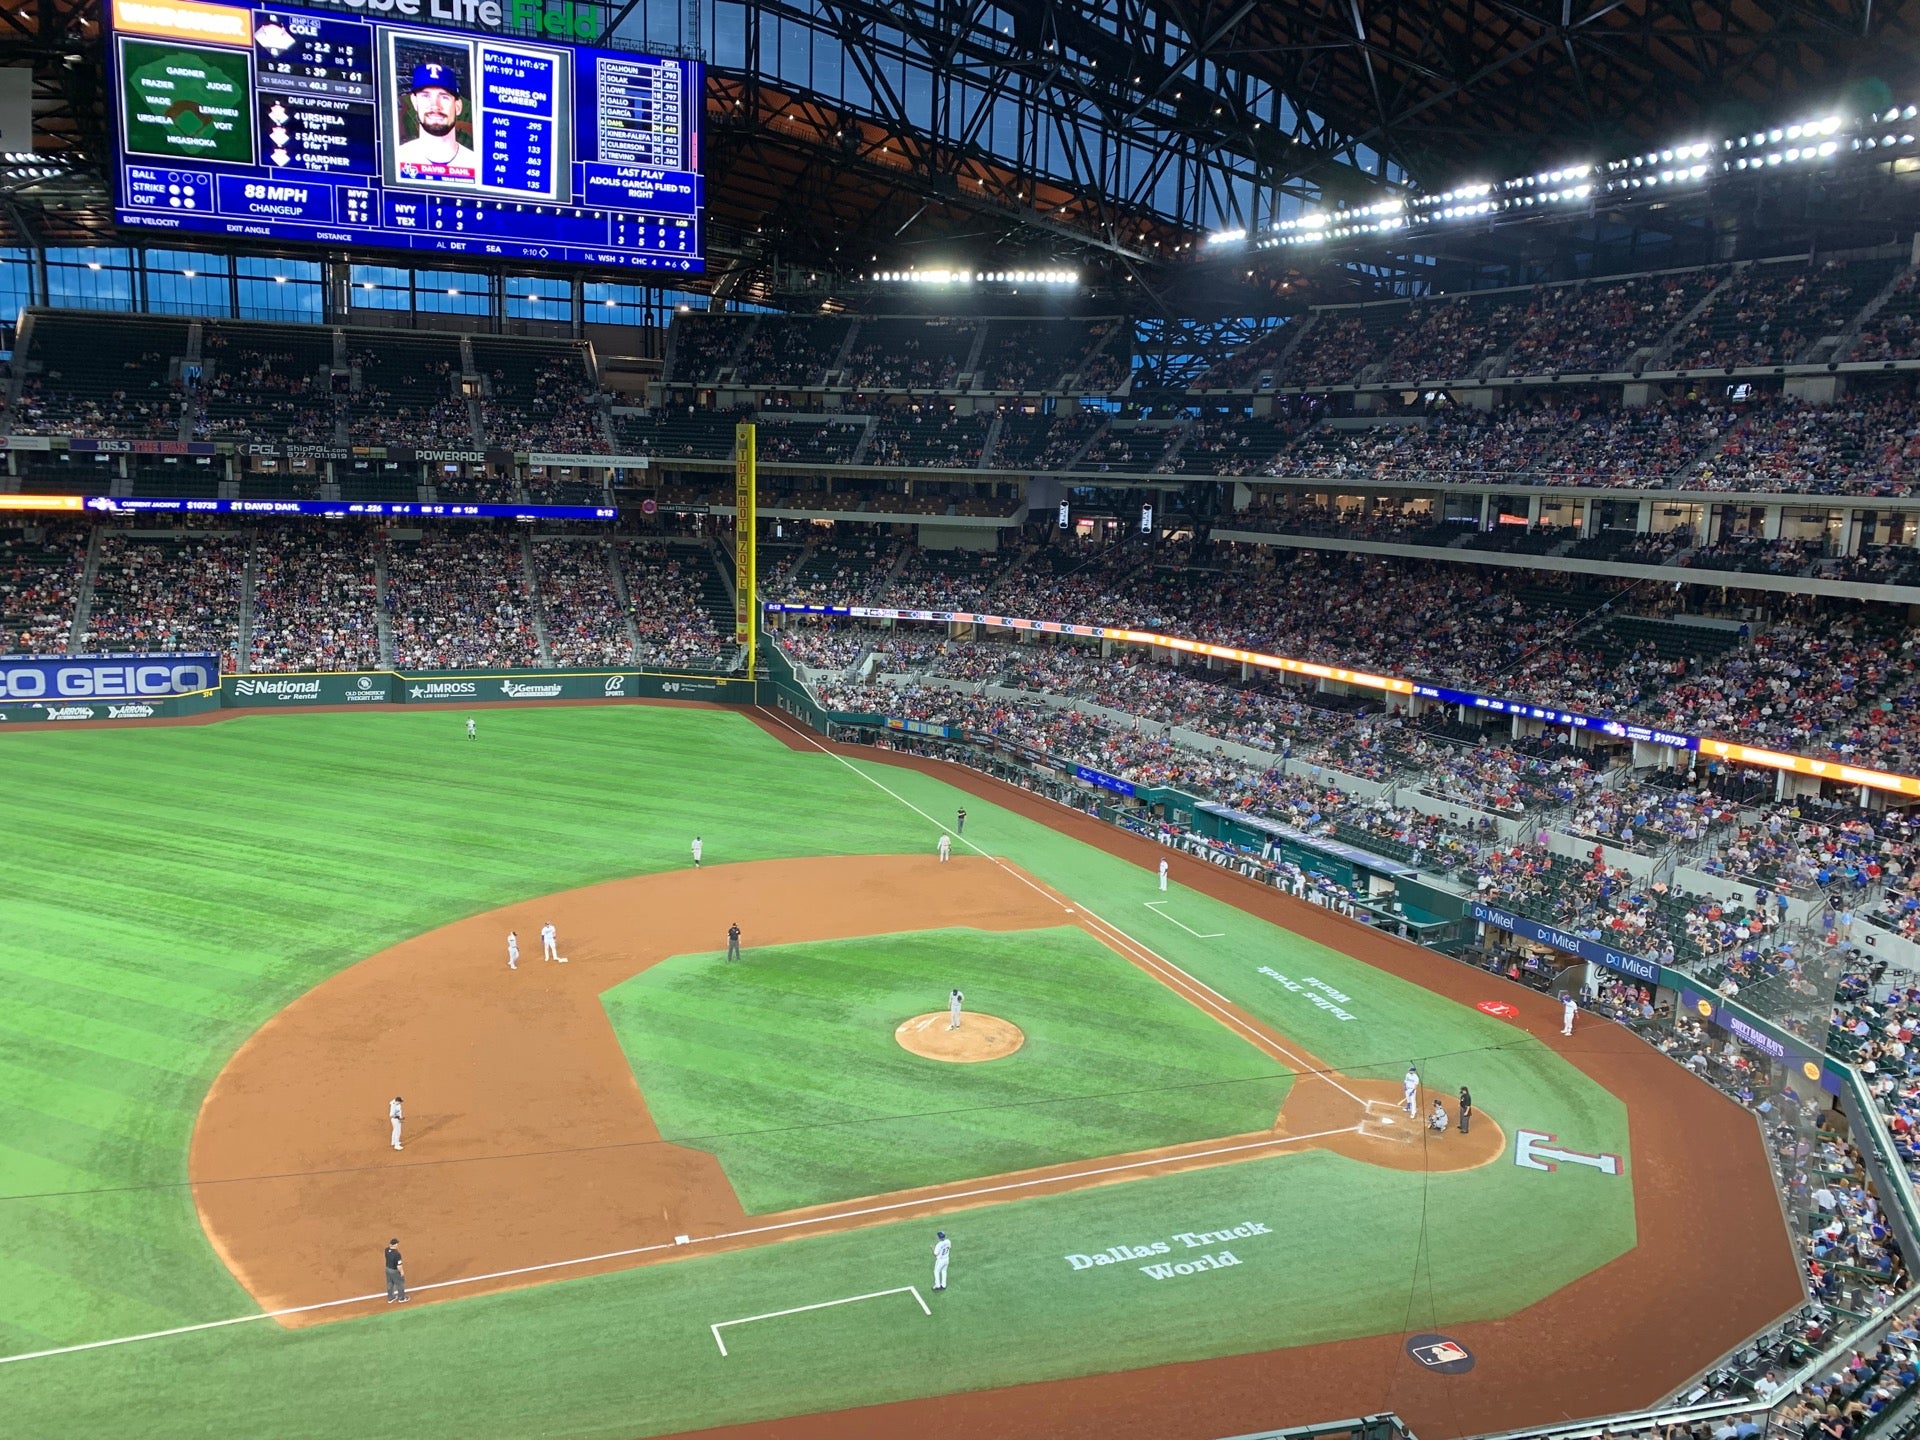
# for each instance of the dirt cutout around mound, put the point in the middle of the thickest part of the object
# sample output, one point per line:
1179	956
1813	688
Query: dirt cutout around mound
528	1142
983	1037
1713	1262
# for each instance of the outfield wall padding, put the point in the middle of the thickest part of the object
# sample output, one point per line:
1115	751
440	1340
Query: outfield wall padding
394	687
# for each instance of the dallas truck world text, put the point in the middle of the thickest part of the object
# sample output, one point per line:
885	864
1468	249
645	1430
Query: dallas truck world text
1187	1240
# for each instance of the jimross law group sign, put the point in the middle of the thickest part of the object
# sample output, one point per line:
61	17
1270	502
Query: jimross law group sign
1179	1247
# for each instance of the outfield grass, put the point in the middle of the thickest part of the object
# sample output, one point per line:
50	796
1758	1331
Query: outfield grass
785	1066
169	890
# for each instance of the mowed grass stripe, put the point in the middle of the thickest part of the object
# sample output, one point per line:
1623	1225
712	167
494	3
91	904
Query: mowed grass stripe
205	877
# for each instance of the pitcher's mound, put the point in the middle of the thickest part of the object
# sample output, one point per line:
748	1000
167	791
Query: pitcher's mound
980	1037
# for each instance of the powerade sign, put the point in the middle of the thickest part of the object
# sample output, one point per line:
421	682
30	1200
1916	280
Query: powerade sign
105	677
1589	950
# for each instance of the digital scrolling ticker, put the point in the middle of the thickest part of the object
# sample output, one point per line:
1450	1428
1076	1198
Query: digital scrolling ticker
288	124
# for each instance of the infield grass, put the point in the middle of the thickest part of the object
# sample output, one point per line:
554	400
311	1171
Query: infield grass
785	1066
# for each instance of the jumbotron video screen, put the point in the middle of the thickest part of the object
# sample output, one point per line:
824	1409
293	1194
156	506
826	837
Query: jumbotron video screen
340	127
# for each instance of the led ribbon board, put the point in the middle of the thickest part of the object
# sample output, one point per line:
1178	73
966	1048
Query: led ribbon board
1393	685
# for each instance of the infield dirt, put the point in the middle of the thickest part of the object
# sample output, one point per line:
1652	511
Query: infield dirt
528	1141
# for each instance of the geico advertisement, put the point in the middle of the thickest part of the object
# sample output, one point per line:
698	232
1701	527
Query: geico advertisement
82	677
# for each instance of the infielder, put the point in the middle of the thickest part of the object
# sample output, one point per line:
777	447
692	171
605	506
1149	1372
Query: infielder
1411	1087
1163	874
513	950
471	735
696	852
393	1119
942	1250
954	999
550	944
1567	1010
946	848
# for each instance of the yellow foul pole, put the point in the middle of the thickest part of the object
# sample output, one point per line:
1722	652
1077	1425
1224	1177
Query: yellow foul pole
746	603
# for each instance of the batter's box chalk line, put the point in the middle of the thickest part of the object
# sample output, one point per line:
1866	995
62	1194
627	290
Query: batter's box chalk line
912	1290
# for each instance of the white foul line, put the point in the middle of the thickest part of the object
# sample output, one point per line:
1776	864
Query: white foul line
1203	993
1154	905
912	1290
830	1217
1152	960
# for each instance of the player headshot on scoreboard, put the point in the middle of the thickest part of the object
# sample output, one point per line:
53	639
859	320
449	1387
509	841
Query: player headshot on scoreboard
432	124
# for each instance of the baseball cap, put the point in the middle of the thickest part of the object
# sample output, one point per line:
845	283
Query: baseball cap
431	75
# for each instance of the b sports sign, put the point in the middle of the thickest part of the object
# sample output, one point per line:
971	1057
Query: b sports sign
105	677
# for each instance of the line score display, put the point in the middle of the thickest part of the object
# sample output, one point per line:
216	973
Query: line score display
351	127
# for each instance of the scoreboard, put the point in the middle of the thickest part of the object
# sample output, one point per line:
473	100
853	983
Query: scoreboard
372	126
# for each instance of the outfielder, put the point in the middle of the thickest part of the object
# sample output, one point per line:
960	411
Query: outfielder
1411	1087
513	950
946	848
1163	874
696	852
393	1119
942	1250
470	730
953	1009
549	943
1568	1008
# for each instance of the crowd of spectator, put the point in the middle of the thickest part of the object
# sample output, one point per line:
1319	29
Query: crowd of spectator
665	584
176	593
559	410
315	600
457	599
41	568
584	620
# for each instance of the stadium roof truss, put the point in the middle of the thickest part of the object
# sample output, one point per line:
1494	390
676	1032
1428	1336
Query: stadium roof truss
1113	135
1109	130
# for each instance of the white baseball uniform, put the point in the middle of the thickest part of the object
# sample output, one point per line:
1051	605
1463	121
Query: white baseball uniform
513	951
1163	874
1412	1087
953	1010
550	949
696	851
470	733
1567	1011
942	1251
946	846
393	1118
